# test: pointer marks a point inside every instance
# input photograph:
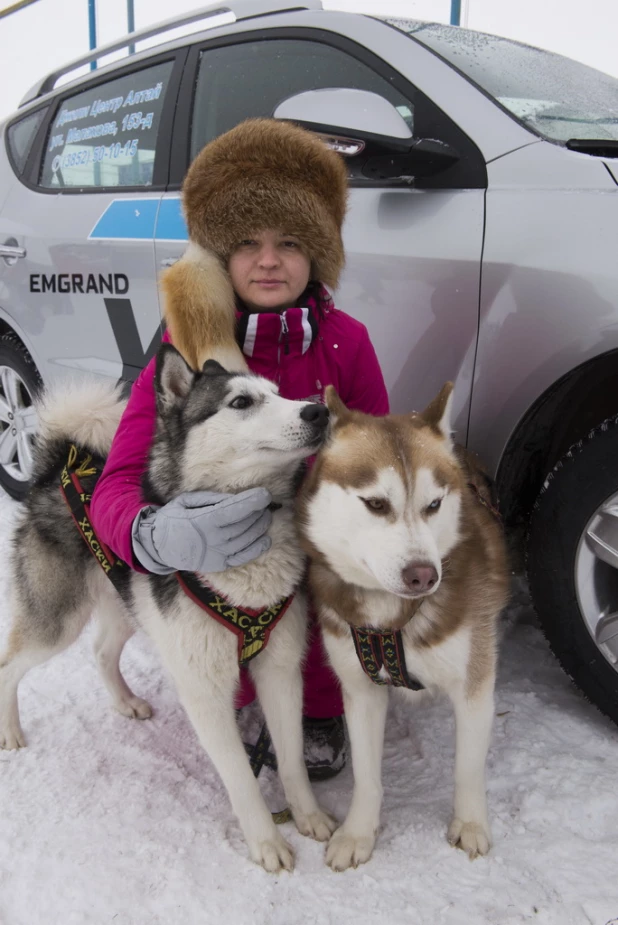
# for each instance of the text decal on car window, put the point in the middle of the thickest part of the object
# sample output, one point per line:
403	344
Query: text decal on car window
106	136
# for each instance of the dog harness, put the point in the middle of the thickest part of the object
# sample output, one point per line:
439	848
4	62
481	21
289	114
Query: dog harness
253	627
377	650
78	502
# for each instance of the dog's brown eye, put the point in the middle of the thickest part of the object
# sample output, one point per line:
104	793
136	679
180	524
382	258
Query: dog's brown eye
377	505
434	506
241	401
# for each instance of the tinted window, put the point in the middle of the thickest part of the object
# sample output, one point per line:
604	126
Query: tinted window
107	135
21	135
236	82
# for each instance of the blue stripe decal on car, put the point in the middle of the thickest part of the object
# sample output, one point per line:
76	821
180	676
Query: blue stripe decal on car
142	220
127	219
171	223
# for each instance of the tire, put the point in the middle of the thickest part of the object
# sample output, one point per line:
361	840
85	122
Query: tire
19	385
571	581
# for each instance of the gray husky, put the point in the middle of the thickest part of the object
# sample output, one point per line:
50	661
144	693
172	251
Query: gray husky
206	439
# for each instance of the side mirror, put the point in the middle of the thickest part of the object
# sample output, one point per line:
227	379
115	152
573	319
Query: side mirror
367	129
342	109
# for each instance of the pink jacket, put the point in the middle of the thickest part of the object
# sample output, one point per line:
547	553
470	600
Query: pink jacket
299	350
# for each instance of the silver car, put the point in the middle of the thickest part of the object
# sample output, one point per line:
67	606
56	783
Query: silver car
482	242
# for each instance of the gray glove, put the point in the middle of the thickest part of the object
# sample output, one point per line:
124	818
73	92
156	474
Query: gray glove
202	531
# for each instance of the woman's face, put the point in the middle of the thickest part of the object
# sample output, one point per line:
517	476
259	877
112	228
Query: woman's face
269	271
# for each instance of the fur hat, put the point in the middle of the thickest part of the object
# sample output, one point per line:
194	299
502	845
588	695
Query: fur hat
269	174
262	174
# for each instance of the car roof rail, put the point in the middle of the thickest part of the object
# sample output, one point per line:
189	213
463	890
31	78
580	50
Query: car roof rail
240	9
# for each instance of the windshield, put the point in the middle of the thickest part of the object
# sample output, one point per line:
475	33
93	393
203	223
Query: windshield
552	95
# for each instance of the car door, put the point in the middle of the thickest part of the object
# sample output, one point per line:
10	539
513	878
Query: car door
413	254
84	296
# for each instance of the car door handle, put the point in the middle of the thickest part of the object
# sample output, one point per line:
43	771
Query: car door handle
11	252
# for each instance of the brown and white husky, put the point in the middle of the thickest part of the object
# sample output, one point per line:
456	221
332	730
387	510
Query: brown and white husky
402	538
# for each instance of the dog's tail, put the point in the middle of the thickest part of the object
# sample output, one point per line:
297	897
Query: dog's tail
200	310
86	413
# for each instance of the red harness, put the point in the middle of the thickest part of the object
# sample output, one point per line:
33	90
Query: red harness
252	627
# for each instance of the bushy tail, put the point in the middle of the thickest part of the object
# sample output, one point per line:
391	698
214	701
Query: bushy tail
200	310
84	412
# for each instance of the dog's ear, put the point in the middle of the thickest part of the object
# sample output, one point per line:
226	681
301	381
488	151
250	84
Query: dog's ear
214	368
438	412
338	411
174	377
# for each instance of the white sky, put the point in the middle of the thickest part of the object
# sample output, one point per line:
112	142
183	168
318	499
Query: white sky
39	38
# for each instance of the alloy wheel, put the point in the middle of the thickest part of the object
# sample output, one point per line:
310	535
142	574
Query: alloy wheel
18	425
596	578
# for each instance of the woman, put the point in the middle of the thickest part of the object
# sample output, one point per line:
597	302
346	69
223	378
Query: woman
264	205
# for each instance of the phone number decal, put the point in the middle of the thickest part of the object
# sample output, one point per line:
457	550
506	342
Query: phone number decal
95	155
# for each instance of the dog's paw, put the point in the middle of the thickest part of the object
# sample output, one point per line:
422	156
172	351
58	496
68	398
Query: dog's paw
471	837
134	707
273	854
11	736
318	824
346	850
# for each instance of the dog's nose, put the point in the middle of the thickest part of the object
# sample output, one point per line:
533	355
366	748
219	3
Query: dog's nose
315	414
419	577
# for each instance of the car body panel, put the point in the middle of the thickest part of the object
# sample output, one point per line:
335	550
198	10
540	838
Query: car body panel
549	298
69	331
613	170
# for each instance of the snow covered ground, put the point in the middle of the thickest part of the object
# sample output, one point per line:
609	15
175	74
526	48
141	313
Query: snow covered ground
110	820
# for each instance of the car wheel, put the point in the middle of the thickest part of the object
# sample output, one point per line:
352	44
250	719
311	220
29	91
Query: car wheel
572	563
19	384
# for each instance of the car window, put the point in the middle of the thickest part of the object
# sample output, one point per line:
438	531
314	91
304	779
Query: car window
236	82
555	96
106	136
21	135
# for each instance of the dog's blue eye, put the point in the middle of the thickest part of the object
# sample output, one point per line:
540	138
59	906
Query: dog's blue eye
435	505
242	401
